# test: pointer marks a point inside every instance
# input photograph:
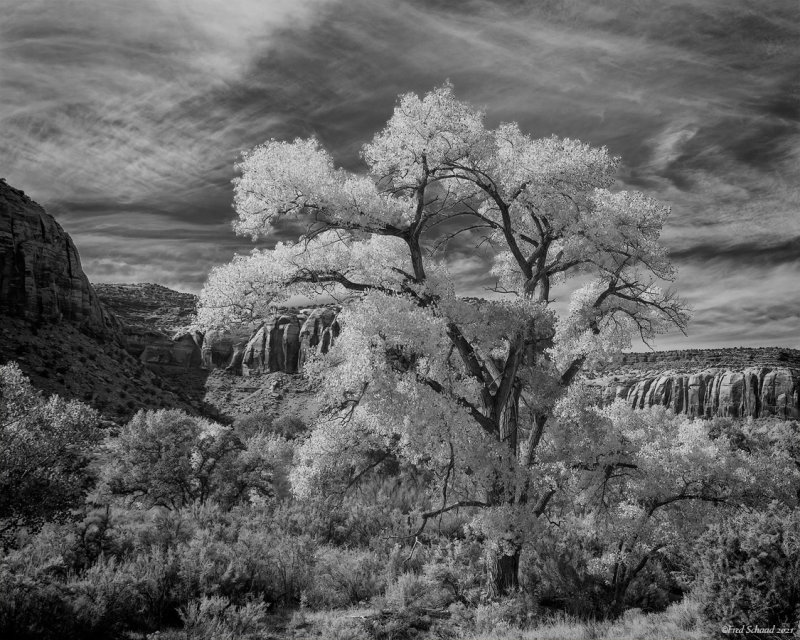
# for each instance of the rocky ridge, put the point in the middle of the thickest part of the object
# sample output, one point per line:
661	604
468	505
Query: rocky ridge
53	324
41	279
743	382
122	348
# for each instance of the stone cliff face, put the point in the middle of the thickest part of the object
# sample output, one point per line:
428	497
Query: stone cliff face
53	324
708	383
285	341
154	320
155	329
282	342
41	279
148	305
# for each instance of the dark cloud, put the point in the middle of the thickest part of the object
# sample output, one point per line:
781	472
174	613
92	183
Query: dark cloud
125	119
742	255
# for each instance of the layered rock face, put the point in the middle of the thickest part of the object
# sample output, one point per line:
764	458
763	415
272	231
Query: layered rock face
155	329
739	382
41	279
285	341
282	342
154	324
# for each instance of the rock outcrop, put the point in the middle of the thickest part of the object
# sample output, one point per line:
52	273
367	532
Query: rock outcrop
699	383
54	325
156	331
282	342
155	323
147	305
285	341
41	279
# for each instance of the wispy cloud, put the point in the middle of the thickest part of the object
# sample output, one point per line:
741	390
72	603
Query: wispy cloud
126	118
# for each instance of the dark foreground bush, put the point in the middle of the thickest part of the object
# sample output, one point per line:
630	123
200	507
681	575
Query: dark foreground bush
750	570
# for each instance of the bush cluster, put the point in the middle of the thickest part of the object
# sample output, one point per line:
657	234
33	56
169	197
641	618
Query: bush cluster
189	528
749	570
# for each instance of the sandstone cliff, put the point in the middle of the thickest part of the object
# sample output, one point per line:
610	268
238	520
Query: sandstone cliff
41	279
53	324
156	330
708	383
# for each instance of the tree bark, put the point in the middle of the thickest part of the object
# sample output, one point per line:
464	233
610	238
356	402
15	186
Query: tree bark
505	572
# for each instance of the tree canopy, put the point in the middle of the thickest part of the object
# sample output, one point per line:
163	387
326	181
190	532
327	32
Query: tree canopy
463	387
45	451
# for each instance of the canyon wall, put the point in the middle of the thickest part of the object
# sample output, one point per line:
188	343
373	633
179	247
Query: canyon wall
41	279
282	342
157	330
707	383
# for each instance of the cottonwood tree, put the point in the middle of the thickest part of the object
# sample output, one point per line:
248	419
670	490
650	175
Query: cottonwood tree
636	484
465	388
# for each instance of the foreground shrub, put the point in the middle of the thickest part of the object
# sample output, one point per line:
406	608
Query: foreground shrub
216	618
459	567
170	459
46	446
512	612
749	571
158	564
412	591
342	577
34	608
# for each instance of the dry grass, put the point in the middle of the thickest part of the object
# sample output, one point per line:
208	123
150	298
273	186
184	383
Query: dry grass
679	622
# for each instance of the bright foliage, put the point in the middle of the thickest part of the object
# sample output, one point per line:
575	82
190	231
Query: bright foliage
460	387
45	448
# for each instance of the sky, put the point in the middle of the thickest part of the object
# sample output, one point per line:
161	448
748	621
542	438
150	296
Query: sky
124	119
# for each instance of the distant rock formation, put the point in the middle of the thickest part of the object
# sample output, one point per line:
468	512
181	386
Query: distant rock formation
282	342
155	321
285	341
41	279
155	325
708	383
148	305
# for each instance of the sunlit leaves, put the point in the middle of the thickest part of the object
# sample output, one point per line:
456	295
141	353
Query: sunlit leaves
286	180
461	387
45	449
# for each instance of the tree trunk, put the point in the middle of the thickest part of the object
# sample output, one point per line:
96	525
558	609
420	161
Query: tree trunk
620	586
505	572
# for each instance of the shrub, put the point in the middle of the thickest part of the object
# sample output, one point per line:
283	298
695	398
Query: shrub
513	612
685	615
459	568
45	451
252	424
342	577
216	618
289	426
749	569
413	591
169	458
35	608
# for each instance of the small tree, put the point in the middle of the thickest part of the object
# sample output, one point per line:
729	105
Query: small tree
170	459
464	388
45	448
